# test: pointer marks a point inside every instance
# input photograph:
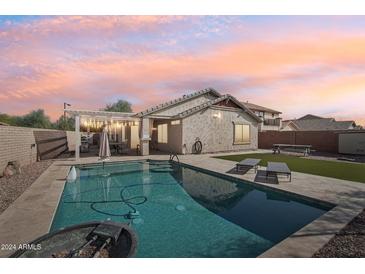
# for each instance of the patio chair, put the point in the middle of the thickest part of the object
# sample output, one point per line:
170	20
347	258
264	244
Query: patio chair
248	163
276	168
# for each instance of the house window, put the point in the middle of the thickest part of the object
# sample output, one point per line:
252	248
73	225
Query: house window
162	134
241	134
176	122
260	114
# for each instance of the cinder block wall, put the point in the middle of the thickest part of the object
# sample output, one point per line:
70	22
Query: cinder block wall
15	144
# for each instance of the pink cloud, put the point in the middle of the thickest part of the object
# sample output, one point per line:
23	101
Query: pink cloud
320	73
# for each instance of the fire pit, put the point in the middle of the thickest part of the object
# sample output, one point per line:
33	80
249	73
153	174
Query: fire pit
88	240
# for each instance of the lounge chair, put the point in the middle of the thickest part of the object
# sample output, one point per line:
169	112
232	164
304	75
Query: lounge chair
277	168
248	163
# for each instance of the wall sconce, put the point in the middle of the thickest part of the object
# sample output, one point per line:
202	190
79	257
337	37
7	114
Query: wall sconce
217	115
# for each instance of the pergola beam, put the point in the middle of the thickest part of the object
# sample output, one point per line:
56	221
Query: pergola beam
98	114
105	116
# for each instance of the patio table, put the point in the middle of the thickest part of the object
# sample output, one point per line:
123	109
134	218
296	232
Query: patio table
306	149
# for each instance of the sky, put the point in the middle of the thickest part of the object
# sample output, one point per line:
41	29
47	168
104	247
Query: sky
294	64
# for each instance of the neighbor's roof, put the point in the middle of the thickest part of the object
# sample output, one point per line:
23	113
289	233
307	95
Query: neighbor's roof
259	108
311	116
213	102
322	124
289	123
178	101
3	124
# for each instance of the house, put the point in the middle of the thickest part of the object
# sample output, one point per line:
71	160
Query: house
219	122
312	122
205	121
270	118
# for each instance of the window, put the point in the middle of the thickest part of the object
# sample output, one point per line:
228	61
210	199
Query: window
176	122
162	134
260	113
241	134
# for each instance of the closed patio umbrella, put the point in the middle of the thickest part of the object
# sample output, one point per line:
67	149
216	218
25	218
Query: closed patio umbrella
104	150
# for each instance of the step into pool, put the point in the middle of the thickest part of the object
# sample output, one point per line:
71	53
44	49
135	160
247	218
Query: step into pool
180	211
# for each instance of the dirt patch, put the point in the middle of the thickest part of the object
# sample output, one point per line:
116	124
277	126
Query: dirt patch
11	188
348	243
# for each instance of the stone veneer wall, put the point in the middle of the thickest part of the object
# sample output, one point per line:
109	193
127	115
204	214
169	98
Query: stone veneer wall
216	134
15	144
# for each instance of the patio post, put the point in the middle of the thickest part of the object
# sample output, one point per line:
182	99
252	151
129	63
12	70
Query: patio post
145	136
77	137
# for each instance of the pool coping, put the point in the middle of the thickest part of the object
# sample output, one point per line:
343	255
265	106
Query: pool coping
308	236
309	239
303	243
33	215
266	187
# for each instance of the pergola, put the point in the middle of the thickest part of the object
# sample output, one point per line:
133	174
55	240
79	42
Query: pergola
113	120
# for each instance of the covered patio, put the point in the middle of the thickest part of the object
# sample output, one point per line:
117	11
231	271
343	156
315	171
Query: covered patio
128	134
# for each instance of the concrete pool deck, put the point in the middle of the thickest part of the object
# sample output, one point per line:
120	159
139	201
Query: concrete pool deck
31	215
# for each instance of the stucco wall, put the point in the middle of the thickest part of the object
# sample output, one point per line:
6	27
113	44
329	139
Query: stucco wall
216	134
15	144
269	115
186	105
174	137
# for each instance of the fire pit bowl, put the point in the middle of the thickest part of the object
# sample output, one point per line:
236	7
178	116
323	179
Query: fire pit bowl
87	240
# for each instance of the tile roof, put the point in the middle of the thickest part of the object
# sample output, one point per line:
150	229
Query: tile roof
196	108
260	108
213	102
200	107
310	116
287	123
177	101
322	124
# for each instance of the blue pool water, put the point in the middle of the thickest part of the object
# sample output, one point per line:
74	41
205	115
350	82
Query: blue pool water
179	211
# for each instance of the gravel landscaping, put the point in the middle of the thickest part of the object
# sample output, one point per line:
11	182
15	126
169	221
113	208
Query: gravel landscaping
348	243
11	188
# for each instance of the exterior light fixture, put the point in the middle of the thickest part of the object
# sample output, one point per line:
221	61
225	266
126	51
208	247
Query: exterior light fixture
217	115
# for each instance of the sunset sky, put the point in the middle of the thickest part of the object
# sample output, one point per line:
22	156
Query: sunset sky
296	65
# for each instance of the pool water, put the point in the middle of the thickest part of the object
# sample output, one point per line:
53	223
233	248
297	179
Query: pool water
179	211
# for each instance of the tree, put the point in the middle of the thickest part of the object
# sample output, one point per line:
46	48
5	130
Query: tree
35	118
119	106
65	124
5	118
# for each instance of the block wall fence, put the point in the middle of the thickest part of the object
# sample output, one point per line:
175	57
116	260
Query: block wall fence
19	144
323	141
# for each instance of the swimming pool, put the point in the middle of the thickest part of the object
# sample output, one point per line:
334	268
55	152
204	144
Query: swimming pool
180	211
